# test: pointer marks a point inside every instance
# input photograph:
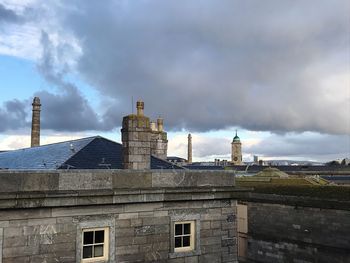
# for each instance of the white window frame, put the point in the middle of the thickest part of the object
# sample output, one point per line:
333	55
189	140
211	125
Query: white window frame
105	245
191	235
194	249
102	222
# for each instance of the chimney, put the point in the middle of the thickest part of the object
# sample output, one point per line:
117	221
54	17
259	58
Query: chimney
160	124
140	106
189	150
153	126
35	136
136	139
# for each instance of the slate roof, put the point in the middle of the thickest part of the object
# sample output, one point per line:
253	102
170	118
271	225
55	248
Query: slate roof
86	153
204	167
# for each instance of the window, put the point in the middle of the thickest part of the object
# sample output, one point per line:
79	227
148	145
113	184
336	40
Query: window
95	240
184	236
94	244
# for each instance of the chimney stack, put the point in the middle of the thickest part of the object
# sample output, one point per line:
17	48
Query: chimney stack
160	124
140	106
189	150
35	136
136	138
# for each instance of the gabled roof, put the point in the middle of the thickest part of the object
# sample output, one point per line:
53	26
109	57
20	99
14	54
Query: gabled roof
86	153
50	156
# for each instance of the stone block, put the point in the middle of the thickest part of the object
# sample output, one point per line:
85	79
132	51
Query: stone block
144	230
212	258
132	180
84	180
16	260
125	232
13	231
59	247
142	207
15	241
191	259
156	220
40	182
228	242
12	252
129	249
122	223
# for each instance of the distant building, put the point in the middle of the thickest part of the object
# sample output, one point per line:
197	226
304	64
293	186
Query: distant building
236	153
177	160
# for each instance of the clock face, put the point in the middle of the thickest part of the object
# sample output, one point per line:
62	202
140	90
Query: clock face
235	159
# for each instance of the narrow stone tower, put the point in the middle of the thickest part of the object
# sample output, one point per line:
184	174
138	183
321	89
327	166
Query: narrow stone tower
136	139
189	149
236	154
35	136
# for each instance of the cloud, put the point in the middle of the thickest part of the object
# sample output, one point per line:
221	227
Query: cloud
13	115
300	145
64	110
208	66
8	15
75	112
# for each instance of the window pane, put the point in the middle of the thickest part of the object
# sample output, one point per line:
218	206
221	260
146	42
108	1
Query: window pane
87	252
98	251
178	229
187	229
99	236
186	241
88	237
177	241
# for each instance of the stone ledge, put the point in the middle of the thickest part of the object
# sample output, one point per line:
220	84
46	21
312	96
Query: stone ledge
62	180
302	201
106	197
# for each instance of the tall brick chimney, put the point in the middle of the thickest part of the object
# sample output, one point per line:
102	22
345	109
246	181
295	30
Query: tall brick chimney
189	149
136	139
35	136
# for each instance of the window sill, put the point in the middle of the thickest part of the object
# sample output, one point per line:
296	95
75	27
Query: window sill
185	254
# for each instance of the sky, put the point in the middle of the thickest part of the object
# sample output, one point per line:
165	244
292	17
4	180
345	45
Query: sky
278	71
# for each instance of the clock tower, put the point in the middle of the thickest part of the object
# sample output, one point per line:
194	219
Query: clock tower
236	154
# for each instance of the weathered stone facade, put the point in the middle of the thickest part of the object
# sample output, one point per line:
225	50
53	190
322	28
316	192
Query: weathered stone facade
42	214
136	139
159	140
141	139
297	229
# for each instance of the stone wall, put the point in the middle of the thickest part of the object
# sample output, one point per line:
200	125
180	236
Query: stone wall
285	233
42	214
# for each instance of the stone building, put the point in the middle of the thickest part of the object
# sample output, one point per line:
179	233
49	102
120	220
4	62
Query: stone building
94	200
117	216
236	151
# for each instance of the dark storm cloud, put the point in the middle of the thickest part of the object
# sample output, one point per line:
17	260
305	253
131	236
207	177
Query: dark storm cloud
206	65
13	115
68	110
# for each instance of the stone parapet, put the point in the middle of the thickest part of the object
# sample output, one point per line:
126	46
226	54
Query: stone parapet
74	180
